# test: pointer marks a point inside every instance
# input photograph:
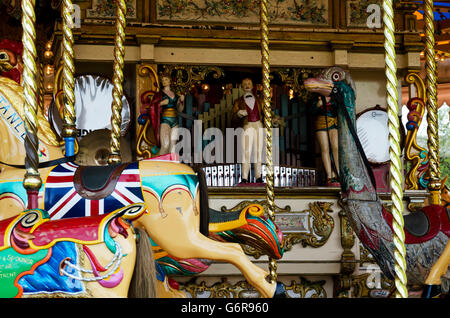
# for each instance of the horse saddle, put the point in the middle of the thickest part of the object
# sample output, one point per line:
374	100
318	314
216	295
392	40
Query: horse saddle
97	182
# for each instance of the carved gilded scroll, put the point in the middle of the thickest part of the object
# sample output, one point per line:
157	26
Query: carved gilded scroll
416	155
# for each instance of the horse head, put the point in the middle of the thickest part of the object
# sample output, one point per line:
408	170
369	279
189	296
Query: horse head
12	126
445	194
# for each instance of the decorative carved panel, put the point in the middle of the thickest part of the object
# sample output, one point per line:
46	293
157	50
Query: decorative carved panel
357	12
288	12
303	288
106	9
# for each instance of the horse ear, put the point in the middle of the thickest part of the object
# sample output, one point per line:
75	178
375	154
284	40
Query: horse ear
443	183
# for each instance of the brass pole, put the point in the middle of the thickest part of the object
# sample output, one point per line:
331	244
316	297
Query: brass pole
270	194
434	184
119	53
32	181
396	179
69	131
41	88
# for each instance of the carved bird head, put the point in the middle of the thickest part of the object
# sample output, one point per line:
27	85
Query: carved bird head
327	79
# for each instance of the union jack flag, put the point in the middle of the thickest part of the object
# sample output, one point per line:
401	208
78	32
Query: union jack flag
61	199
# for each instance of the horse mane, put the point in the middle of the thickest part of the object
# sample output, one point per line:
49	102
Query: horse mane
143	282
14	92
204	203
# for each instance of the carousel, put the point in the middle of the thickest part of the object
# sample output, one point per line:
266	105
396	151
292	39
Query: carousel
224	149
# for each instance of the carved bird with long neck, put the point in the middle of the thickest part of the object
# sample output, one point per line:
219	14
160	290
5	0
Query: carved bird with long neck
426	231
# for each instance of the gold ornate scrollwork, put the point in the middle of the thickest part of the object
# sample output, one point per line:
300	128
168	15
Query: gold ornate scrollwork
348	263
348	260
293	78
365	256
320	227
307	289
372	285
242	289
185	76
415	154
145	138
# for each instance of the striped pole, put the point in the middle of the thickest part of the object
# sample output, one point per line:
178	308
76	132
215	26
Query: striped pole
434	184
69	131
32	181
119	53
396	179
270	194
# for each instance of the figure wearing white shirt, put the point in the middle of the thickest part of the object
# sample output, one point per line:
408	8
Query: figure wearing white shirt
247	113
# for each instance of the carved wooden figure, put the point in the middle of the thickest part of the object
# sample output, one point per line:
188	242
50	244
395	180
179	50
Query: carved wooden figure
247	113
164	108
426	231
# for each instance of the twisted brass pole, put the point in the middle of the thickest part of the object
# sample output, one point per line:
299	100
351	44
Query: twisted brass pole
69	131
32	181
41	88
394	150
119	53
270	194
434	184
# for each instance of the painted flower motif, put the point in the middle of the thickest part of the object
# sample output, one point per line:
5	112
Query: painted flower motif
358	11
307	11
107	8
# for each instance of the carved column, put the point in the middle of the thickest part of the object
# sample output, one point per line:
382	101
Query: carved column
348	261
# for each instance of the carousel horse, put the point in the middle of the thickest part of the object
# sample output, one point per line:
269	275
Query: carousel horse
426	231
248	226
170	191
